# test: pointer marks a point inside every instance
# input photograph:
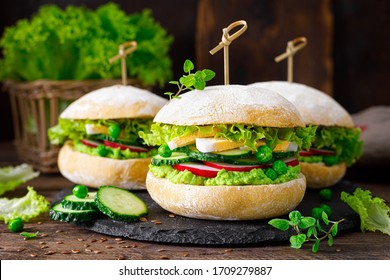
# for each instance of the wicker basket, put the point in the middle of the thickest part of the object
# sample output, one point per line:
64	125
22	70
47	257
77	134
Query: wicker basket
36	106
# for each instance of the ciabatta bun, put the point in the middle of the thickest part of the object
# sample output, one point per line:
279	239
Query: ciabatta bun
94	171
315	107
115	102
319	176
230	104
246	202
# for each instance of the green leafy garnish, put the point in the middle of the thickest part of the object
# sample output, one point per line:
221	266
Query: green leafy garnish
13	176
373	211
308	229
29	235
76	44
191	81
26	207
248	134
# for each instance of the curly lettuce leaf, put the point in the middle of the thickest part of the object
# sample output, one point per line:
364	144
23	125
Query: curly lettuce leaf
13	176
374	213
76	43
27	207
75	129
344	141
248	134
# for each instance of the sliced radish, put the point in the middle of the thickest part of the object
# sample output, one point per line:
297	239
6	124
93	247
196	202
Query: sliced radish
90	143
233	167
124	147
313	152
198	169
293	161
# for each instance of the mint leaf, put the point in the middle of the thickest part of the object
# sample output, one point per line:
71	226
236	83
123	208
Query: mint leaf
188	66
297	241
208	74
316	245
307	222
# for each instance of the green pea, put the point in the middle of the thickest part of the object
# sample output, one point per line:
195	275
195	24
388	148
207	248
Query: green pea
280	167
16	225
263	154
330	160
327	209
270	173
80	191
164	151
102	150
114	131
326	194
317	213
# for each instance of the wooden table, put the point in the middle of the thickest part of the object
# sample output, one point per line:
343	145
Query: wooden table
63	241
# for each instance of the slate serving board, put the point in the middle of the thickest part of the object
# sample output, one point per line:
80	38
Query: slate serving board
182	230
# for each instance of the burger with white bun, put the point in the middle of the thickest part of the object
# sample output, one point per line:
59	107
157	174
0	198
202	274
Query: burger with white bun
227	152
337	143
99	137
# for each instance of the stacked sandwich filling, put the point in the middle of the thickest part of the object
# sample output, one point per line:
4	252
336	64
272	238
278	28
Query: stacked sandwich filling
334	145
227	154
110	138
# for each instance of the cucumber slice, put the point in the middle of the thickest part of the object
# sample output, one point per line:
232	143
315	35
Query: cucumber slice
245	161
74	203
224	156
175	158
120	204
59	213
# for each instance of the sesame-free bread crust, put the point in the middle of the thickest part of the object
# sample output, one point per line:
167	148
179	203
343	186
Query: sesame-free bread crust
94	171
230	104
319	176
247	202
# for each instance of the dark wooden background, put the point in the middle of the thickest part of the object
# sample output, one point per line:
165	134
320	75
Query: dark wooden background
347	55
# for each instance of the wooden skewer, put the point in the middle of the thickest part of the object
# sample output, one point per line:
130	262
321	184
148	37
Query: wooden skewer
124	50
225	42
293	47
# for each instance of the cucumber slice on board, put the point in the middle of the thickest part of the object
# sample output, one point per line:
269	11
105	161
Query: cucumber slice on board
59	213
224	156
120	204
74	203
175	158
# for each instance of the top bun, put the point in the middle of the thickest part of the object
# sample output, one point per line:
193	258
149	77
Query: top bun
315	107
115	102
230	104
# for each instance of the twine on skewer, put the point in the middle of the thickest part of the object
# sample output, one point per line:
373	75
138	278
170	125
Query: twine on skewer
124	50
293	47
225	42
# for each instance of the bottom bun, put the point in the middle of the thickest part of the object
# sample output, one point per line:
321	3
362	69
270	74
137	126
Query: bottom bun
319	176
94	171
249	202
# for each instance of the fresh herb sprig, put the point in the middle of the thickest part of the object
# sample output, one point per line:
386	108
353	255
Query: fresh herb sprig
314	231
29	235
191	81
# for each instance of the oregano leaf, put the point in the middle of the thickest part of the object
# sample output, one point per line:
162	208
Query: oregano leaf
306	222
315	247
200	84
188	66
335	229
310	231
296	241
325	218
330	240
208	74
281	224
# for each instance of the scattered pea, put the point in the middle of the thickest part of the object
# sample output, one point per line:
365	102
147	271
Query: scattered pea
102	151
80	191
114	131
317	213
280	167
326	194
263	154
164	151
330	160
16	225
270	173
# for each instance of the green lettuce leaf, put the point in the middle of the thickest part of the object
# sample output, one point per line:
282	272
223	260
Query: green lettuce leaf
163	133
374	213
26	207
344	141
75	129
13	176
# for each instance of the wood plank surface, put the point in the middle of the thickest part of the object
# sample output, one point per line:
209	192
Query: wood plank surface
63	241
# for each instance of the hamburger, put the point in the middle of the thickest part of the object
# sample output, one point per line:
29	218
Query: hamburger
227	153
99	137
337	143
